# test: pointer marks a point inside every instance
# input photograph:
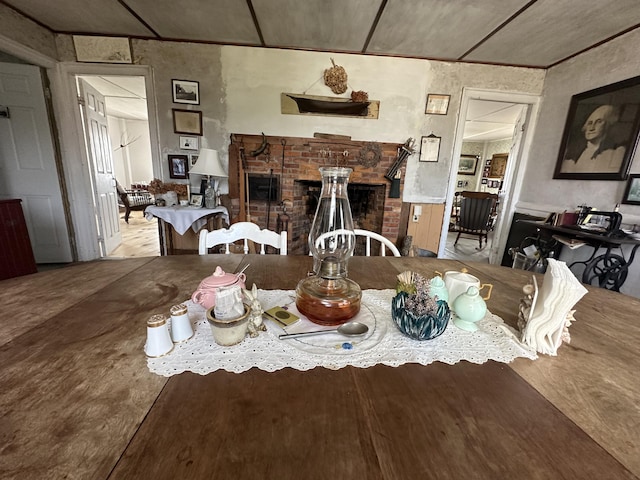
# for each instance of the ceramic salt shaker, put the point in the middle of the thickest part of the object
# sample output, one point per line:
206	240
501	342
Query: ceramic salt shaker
159	341
469	308
181	328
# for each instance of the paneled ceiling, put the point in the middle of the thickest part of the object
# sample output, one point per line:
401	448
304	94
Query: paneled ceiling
535	33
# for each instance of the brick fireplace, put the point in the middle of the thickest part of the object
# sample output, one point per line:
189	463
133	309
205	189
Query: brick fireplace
294	186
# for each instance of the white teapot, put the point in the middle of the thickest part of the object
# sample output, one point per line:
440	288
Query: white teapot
458	283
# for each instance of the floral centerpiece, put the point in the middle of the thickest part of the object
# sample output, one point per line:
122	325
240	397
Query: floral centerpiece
170	193
415	312
157	186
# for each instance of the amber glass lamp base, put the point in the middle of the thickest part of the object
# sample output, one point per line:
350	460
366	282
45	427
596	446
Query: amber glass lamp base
328	301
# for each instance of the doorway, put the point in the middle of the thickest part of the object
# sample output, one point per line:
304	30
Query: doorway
491	125
129	150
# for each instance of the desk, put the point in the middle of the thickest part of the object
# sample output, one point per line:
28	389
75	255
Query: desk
610	269
178	226
78	400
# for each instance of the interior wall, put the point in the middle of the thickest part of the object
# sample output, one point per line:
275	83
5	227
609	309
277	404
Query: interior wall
240	91
26	32
484	151
254	78
612	62
132	163
540	194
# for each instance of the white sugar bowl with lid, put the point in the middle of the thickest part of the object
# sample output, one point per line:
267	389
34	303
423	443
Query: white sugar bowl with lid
458	283
205	294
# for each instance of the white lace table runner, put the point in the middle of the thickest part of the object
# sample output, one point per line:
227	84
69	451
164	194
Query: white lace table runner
384	344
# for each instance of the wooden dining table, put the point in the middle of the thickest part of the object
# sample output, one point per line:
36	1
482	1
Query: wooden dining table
77	400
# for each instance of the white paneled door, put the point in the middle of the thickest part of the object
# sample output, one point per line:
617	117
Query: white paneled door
99	149
27	162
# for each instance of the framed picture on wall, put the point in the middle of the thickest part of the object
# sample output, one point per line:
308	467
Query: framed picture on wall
430	148
188	143
187	121
601	133
437	104
467	165
185	91
178	166
632	192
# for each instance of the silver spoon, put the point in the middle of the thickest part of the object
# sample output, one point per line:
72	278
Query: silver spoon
349	329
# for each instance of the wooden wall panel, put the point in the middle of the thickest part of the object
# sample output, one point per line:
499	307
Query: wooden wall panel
426	231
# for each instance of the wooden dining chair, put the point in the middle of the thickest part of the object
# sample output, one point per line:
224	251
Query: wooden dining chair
246	231
476	214
385	243
368	236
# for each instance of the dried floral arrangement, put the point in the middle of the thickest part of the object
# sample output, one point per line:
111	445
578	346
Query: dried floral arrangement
157	186
359	96
336	78
418	302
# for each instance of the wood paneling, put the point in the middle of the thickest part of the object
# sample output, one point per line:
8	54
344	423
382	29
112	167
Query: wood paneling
426	231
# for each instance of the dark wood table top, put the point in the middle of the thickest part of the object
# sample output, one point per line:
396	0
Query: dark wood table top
78	401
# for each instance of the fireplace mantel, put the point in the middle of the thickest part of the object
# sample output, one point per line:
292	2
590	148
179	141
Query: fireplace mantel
302	158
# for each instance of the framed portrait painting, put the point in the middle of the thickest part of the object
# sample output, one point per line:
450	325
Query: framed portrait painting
467	165
601	133
178	166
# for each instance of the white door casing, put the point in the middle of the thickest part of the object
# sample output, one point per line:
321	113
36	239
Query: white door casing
514	176
514	154
74	154
101	160
28	167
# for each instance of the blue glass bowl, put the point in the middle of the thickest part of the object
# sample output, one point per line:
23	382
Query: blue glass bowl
423	327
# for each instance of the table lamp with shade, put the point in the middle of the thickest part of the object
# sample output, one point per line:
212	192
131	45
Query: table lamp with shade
208	164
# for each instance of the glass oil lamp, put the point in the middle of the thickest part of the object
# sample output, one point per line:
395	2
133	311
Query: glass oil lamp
328	297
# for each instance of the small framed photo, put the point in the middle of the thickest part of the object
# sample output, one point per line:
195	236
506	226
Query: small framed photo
178	166
429	148
187	121
437	104
185	91
188	143
193	158
460	184
467	165
484	181
632	192
196	200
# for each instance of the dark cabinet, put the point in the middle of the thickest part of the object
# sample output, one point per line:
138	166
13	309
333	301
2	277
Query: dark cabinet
16	255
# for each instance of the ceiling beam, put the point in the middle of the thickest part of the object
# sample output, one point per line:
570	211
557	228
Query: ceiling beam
496	30
374	25
139	18
255	22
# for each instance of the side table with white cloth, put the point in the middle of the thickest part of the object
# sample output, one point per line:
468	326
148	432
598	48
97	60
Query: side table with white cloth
178	226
